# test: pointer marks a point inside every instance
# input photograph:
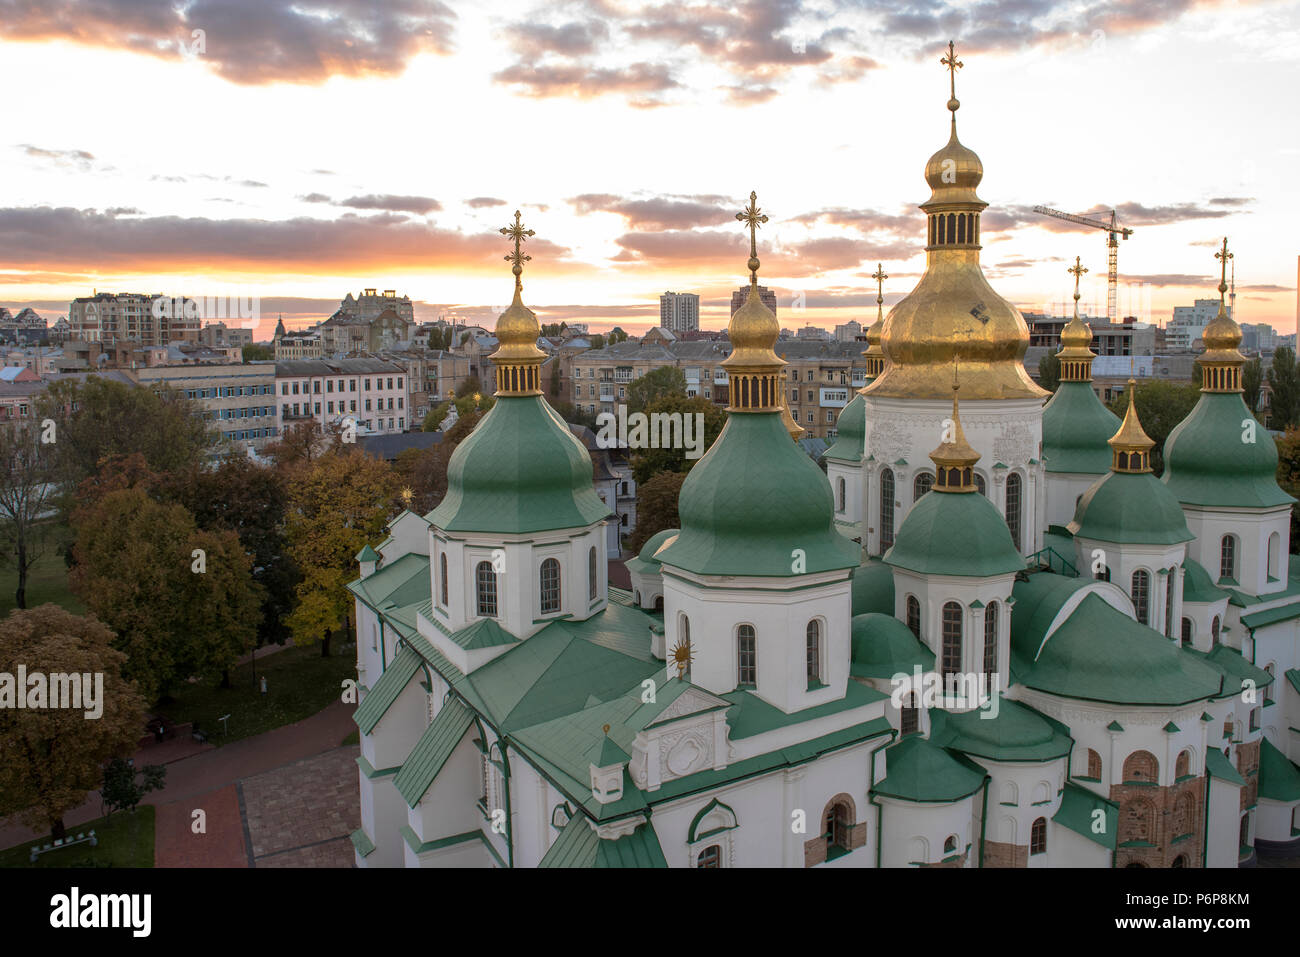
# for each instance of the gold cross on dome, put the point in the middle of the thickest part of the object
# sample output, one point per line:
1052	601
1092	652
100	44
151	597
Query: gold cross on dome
880	276
953	65
1077	270
753	217
1223	256
518	257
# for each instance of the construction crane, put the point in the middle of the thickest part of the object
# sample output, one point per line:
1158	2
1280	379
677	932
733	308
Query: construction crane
1115	231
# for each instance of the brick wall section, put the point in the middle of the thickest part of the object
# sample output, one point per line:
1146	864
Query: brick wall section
998	854
1159	823
959	861
814	851
1248	767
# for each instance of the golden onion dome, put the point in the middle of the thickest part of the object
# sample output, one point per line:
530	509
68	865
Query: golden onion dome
954	171
516	332
753	331
517	358
1077	335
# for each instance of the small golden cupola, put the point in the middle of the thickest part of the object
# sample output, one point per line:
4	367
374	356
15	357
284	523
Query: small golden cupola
875	355
753	368
1222	360
518	361
1131	445
954	460
1076	353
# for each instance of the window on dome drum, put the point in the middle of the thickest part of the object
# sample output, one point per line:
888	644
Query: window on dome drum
814	644
1140	592
951	662
550	576
1187	631
1013	508
1169	601
886	509
1228	557
1274	547
914	616
1182	765
442	575
1141	767
1104	574
909	719
979	484
1214	632
839	494
711	856
923	482
746	657
1094	765
486	581
991	643
592	584
1038	836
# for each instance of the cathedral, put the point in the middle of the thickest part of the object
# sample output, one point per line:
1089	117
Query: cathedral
986	636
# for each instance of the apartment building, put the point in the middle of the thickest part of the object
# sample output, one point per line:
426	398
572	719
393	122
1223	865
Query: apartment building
765	295
433	377
237	400
217	335
119	317
821	379
1188	322
372	392
679	311
1127	338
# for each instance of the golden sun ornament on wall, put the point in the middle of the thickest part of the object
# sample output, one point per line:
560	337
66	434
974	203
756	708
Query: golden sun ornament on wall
682	656
407	494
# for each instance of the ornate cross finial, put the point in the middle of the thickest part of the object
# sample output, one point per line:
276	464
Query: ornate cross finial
752	216
1223	256
880	276
518	257
953	65
1077	270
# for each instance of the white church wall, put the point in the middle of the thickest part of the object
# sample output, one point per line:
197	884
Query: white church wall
1252	530
1064	489
1224	821
915	834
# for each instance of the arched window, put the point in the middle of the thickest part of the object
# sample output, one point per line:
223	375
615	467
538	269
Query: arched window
886	509
1243	836
914	616
1038	836
991	644
839	494
486	580
1141	767
923	482
950	845
1140	592
951	641
837	822
1187	631
1094	765
1214	632
1179	861
593	585
1183	765
442	577
684	640
1228	557
909	718
1274	550
746	657
1169	601
550	586
711	856
1013	507
1102	574
980	485
814	645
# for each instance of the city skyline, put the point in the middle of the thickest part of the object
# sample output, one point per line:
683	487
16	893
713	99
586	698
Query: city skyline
103	207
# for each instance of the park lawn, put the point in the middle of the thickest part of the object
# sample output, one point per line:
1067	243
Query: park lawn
125	840
47	580
300	683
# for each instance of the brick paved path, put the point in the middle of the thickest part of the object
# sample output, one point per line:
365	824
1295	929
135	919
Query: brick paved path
300	815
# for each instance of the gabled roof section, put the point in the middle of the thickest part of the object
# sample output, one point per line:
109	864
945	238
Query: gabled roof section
1279	778
484	633
432	750
386	689
403	581
1218	766
1197	584
1078	812
580	846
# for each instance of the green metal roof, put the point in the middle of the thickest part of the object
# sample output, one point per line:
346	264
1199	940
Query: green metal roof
882	646
520	470
1038	601
850	429
751	715
1273	615
1218	766
433	749
363	844
955	533
1017	733
385	691
1208	462
752	502
580	846
1124	507
484	633
1279	778
1076	430
1100	654
1198	586
1078	805
873	588
1293	676
403	581
367	554
1233	667
919	770
654	543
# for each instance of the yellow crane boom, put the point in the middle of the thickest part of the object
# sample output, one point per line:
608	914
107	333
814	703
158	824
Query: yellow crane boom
1115	233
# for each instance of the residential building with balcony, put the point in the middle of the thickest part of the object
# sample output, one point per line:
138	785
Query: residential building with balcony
371	392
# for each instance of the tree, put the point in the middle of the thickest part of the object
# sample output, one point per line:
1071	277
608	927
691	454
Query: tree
337	506
647	463
1252	380
302	443
1049	372
125	786
1288	477
666	380
575	415
1161	405
617	335
435	417
597	341
27	476
1284	381
182	601
256	351
555	380
470	386
656	507
53	756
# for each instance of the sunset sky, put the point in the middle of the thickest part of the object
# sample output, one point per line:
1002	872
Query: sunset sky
297	150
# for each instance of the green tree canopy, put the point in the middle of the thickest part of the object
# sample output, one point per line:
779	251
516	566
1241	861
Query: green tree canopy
255	351
646	463
666	380
1049	372
1252	379
1284	383
656	507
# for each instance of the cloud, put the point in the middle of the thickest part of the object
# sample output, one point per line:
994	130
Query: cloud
315	198
866	220
483	202
78	159
248	41
660	212
1131	214
1171	279
407	204
582	80
1264	287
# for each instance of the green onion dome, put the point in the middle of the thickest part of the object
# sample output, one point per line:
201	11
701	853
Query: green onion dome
958	533
882	647
520	470
1130	507
1076	428
1210	461
850	432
